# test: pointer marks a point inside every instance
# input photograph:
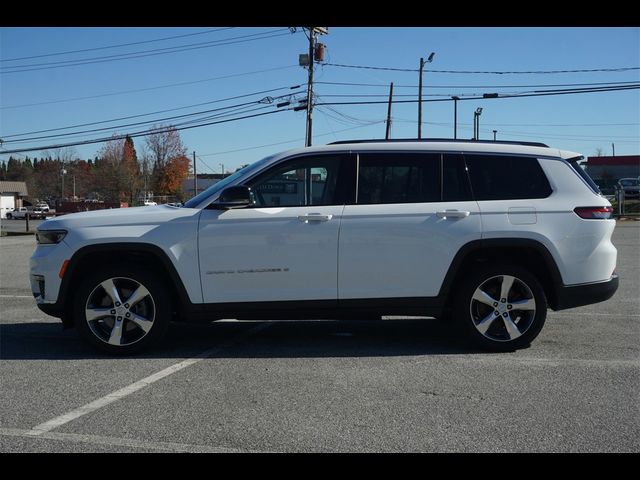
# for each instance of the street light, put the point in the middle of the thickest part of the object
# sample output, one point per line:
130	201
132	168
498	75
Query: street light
422	62
476	123
63	172
455	117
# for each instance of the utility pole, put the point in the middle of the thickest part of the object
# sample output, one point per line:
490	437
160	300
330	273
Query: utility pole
309	130
388	132
613	147
222	165
494	135
422	62
455	117
195	175
308	61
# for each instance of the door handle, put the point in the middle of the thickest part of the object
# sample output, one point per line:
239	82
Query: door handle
314	217
453	214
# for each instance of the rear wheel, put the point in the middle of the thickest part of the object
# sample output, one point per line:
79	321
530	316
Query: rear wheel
122	310
501	307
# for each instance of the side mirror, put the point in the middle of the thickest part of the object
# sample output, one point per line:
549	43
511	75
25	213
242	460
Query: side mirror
238	196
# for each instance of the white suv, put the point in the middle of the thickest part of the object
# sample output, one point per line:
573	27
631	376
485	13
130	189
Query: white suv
487	234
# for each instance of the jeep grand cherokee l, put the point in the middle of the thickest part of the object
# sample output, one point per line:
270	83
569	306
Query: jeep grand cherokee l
486	234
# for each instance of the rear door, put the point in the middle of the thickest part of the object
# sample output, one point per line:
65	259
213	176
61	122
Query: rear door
413	212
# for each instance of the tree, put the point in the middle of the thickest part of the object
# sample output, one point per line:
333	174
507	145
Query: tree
172	174
164	144
63	154
110	182
166	154
83	177
130	169
47	182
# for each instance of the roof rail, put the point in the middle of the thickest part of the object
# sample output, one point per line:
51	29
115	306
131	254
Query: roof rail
436	140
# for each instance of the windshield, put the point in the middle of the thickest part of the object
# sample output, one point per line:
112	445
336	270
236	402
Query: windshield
219	186
629	183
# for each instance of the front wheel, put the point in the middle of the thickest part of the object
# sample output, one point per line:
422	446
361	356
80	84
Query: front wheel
501	307
122	310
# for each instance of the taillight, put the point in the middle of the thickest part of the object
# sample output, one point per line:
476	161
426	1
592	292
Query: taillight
594	213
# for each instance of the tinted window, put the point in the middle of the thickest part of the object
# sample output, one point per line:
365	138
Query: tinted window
301	182
399	178
502	177
583	173
455	181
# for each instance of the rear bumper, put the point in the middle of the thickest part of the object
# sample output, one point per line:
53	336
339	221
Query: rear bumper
585	294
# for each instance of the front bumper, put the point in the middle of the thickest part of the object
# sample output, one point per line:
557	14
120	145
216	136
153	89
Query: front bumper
585	294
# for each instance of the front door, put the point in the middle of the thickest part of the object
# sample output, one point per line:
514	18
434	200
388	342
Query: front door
285	246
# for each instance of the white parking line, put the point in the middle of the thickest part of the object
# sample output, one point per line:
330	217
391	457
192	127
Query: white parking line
134	387
593	314
118	442
17	296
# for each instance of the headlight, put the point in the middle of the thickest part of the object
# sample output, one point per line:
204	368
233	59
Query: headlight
48	237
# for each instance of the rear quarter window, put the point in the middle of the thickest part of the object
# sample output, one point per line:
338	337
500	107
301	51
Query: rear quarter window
583	174
506	177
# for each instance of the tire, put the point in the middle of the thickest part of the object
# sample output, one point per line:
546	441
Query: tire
122	310
9	216
500	307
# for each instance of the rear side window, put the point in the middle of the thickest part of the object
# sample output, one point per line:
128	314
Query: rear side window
582	172
399	178
455	181
506	177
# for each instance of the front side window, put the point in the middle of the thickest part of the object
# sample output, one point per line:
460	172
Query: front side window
506	177
399	178
296	183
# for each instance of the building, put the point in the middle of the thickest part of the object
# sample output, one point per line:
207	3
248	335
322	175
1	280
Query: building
204	182
11	195
606	171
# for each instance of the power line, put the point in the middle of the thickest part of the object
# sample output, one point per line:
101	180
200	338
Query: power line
137	90
488	72
288	141
213	30
533	124
466	126
205	164
602	86
504	95
139	133
144	114
148	53
154	121
383	85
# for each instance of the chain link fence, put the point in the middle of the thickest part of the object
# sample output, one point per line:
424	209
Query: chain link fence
624	205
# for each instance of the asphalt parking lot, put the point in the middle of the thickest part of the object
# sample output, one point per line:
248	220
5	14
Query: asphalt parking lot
392	385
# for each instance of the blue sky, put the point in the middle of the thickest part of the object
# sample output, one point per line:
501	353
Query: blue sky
50	98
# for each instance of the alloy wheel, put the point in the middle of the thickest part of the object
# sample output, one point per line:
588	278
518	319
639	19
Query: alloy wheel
120	311
502	308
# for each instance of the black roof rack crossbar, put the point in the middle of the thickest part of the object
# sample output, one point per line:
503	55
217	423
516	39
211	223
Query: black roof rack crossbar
436	140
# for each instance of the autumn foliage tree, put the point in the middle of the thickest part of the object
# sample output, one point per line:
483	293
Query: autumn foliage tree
118	171
169	163
171	175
